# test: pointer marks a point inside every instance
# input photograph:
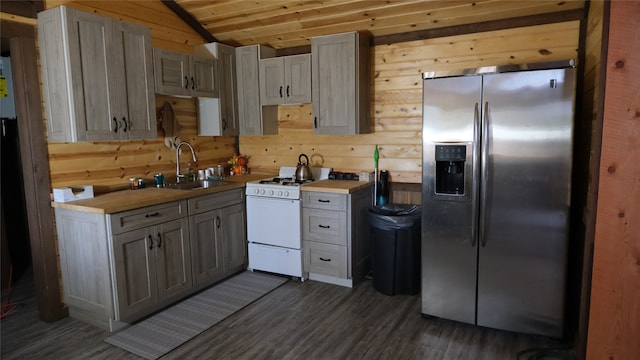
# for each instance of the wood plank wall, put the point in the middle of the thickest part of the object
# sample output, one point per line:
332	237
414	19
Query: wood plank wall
396	100
614	319
396	106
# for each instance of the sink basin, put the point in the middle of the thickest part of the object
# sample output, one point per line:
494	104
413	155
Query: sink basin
194	185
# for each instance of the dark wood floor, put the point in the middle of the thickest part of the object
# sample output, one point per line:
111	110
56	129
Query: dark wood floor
309	320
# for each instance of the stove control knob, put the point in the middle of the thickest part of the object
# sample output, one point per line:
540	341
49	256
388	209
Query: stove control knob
271	192
261	191
279	193
286	194
256	191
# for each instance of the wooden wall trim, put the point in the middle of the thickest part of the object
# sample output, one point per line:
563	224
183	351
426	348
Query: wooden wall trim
614	311
35	165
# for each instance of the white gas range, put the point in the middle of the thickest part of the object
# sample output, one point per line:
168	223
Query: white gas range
274	222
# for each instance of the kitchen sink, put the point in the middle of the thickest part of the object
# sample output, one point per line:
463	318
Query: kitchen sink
195	185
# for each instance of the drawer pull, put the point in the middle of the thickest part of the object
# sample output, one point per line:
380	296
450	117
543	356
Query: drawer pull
150	242
152	215
324	201
324	226
323	259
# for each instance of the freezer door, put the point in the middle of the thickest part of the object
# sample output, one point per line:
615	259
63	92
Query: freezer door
525	189
449	252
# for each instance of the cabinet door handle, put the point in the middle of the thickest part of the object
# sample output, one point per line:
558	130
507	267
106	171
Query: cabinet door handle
224	124
218	222
152	215
288	91
280	91
150	242
324	201
323	259
324	226
124	124
193	83
115	125
159	241
315	122
186	82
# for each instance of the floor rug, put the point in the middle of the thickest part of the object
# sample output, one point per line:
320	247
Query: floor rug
170	328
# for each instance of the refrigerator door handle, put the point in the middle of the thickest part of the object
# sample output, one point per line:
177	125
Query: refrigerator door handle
484	173
475	175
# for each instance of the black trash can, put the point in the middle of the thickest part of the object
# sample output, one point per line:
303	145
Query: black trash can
395	235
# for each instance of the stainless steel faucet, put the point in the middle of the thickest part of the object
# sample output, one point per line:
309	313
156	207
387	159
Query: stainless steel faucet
179	174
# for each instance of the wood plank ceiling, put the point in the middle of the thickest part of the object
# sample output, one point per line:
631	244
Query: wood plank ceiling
291	23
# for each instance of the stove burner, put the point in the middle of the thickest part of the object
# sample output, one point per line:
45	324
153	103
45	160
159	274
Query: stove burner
270	181
288	181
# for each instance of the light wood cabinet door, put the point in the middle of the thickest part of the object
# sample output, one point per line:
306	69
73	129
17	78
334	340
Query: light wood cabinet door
204	77
206	248
97	77
135	273
135	88
227	82
248	81
339	81
272	81
152	266
233	232
285	80
253	119
173	259
171	72
297	78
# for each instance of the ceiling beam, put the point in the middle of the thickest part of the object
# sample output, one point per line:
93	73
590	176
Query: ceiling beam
24	8
531	20
190	20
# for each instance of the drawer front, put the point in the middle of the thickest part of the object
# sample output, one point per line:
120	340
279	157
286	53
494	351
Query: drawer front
324	226
217	200
326	259
150	215
327	201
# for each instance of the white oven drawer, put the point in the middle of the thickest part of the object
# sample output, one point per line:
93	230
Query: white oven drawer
274	222
275	259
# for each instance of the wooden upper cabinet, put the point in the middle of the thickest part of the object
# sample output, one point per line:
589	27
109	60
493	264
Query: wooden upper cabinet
97	77
219	117
252	118
180	74
285	80
340	83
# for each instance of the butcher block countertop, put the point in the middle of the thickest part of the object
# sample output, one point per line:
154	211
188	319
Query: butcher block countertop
124	200
336	186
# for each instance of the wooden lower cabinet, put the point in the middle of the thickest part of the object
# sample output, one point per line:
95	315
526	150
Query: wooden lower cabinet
152	267
218	236
335	234
118	268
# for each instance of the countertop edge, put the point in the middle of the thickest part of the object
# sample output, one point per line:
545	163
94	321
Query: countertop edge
336	186
123	200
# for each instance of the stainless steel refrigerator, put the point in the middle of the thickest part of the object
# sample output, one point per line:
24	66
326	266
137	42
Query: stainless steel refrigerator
497	153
